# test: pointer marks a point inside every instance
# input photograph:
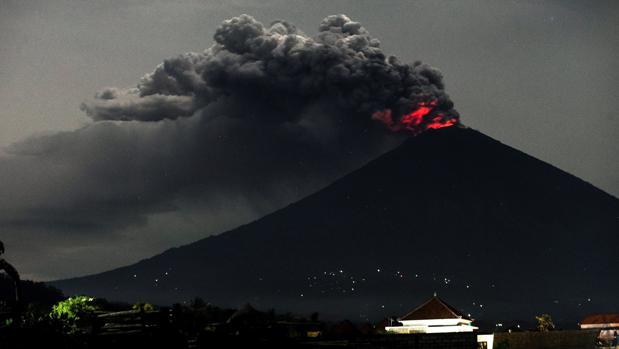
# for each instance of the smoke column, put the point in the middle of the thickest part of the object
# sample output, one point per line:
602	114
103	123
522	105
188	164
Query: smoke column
277	71
207	141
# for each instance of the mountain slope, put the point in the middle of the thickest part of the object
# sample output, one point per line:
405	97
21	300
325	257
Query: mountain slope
497	233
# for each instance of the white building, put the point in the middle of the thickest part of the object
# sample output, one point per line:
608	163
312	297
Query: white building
607	324
433	316
436	316
600	321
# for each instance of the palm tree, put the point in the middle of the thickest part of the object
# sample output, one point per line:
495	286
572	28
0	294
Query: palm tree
12	272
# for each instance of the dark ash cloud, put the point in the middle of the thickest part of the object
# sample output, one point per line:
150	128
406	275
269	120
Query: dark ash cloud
263	117
116	104
280	71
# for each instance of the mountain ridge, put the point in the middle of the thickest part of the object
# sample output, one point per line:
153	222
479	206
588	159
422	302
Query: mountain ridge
454	181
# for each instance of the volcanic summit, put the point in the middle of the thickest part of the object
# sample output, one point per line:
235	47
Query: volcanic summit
451	210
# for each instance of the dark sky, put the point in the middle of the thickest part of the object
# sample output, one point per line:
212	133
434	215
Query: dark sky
80	195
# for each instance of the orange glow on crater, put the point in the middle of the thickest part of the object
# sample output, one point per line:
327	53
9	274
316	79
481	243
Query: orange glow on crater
417	121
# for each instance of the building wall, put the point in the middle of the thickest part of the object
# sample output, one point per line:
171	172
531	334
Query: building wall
430	329
610	325
577	339
486	339
435	322
467	340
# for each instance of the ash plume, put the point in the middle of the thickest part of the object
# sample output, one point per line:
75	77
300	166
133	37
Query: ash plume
211	140
279	71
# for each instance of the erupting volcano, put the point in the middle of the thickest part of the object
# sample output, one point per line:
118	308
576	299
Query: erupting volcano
421	118
450	210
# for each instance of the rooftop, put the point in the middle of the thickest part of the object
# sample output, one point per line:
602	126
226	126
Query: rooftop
434	308
600	319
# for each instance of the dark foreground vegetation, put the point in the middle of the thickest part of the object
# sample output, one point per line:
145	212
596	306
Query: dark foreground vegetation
46	319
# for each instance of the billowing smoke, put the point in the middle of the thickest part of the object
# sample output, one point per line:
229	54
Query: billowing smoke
275	73
210	140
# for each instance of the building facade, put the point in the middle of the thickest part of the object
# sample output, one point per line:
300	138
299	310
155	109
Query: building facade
433	316
436	316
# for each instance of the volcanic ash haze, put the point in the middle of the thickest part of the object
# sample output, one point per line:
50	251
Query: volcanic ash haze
500	234
451	210
167	161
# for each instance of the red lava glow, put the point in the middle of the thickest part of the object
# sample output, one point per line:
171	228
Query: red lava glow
416	121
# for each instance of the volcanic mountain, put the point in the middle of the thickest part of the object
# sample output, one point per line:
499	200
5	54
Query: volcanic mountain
497	233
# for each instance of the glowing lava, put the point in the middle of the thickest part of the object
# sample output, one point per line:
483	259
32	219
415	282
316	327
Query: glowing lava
415	118
420	119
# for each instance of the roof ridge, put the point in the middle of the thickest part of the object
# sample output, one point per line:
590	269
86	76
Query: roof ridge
440	309
418	307
453	310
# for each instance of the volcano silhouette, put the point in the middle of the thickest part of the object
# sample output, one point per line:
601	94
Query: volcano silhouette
497	233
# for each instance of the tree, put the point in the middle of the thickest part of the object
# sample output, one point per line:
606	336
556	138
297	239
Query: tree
544	323
198	303
74	312
143	307
12	272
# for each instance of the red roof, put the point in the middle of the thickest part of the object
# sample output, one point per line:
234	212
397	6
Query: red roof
434	308
600	319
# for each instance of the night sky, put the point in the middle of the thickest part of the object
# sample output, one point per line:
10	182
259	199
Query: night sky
106	160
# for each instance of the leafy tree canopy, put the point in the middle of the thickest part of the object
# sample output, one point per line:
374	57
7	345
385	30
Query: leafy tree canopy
73	311
544	323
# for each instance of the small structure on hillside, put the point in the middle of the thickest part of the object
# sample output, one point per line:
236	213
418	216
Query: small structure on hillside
250	323
433	316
